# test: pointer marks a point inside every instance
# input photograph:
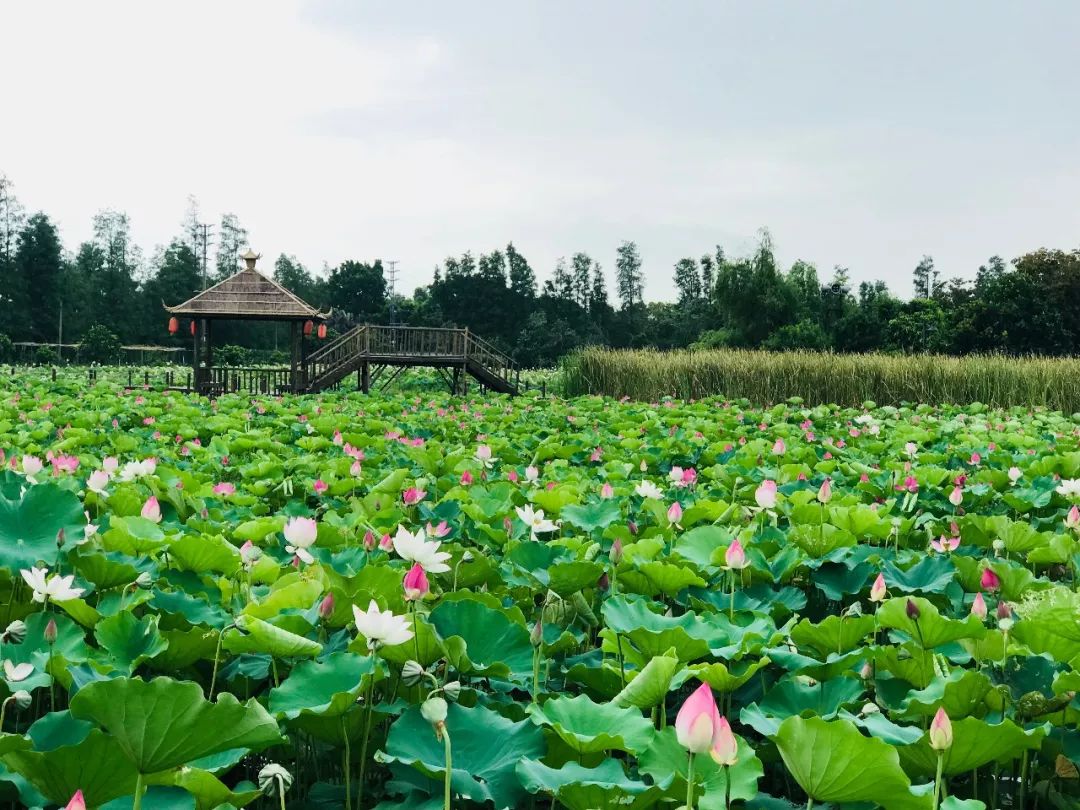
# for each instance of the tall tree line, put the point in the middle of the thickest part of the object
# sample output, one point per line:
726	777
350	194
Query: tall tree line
1030	305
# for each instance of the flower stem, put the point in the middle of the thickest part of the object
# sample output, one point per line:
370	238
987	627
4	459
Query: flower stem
346	765
536	674
136	803
937	778
449	770
367	734
690	783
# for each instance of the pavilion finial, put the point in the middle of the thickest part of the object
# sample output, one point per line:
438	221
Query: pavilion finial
250	258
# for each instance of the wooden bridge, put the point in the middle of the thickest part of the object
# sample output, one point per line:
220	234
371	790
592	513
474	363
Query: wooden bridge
379	354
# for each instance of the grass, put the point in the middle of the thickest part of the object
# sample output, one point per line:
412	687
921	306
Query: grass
824	377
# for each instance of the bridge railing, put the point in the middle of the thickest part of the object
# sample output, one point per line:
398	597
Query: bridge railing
416	341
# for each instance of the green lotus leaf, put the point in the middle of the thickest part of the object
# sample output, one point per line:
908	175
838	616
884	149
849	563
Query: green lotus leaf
666	759
130	641
793	697
833	762
256	636
929	575
58	729
669	578
204	553
97	765
835	634
30	523
163	723
566	578
975	743
106	570
930	629
209	792
650	686
960	694
724	677
587	726
481	771
837	581
698	545
481	640
329	686
593	516
605	787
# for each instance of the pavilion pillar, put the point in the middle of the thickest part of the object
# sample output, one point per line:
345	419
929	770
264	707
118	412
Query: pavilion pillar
295	335
365	377
202	369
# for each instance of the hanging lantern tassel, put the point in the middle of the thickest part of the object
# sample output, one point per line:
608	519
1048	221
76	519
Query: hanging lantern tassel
174	325
307	328
322	331
193	328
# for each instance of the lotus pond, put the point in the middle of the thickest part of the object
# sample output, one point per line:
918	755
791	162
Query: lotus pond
323	602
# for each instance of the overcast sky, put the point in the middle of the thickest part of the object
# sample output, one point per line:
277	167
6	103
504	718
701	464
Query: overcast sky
861	133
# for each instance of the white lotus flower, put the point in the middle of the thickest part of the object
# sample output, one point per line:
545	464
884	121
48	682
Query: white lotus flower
381	627
98	480
416	548
13	673
31	465
1070	488
532	474
647	489
138	469
535	520
300	535
55	588
483	455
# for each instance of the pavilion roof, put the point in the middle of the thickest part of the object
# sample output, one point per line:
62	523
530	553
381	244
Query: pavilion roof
247	294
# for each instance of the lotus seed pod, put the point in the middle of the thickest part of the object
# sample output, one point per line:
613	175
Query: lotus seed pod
467	557
452	691
145	580
434	711
23	699
15	632
272	777
411	673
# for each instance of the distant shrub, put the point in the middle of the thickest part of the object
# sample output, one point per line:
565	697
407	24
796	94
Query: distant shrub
99	345
7	349
46	356
232	356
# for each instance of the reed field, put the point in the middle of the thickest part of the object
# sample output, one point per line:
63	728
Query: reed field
824	377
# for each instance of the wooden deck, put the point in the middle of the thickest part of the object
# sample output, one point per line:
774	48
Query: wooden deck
378	355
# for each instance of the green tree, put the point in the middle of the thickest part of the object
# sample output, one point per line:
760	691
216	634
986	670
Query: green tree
687	280
358	289
628	277
14	315
293	276
99	345
39	263
522	277
924	278
231	239
581	278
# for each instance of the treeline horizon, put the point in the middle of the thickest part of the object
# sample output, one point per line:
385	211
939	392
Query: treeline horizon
1029	305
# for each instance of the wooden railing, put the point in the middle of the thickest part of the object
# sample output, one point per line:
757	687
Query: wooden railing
406	344
227	380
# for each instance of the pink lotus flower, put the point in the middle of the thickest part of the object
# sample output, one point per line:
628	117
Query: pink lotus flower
441	530
989	581
674	512
320	486
326	606
735	556
224	489
606	491
779	448
975	459
31	465
151	510
597	454
356	470
466	478
878	590
386	543
413	496
65	464
944	545
337	438
1072	519
978	607
512	476
700	728
956	497
941	734
249	554
765	495
825	493
911	484
532	474
97	481
77	802
369	540
416	583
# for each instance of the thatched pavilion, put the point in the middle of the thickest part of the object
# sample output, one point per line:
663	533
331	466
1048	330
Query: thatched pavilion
245	296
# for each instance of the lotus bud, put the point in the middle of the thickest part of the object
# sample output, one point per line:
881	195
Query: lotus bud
416	583
825	493
144	580
978	607
536	636
867	671
326	606
735	556
615	554
674	512
632	526
956	497
878	589
274	780
725	748
989	581
869	708
452	691
369	540
1004	617
15	632
412	672
604	582
912	610
60	539
23	699
77	802
50	632
434	711
941	734
1072	519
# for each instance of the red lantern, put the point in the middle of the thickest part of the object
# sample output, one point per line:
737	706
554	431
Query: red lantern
193	328
322	331
174	325
307	328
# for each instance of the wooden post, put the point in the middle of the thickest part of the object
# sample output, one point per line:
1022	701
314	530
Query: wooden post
365	376
294	359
